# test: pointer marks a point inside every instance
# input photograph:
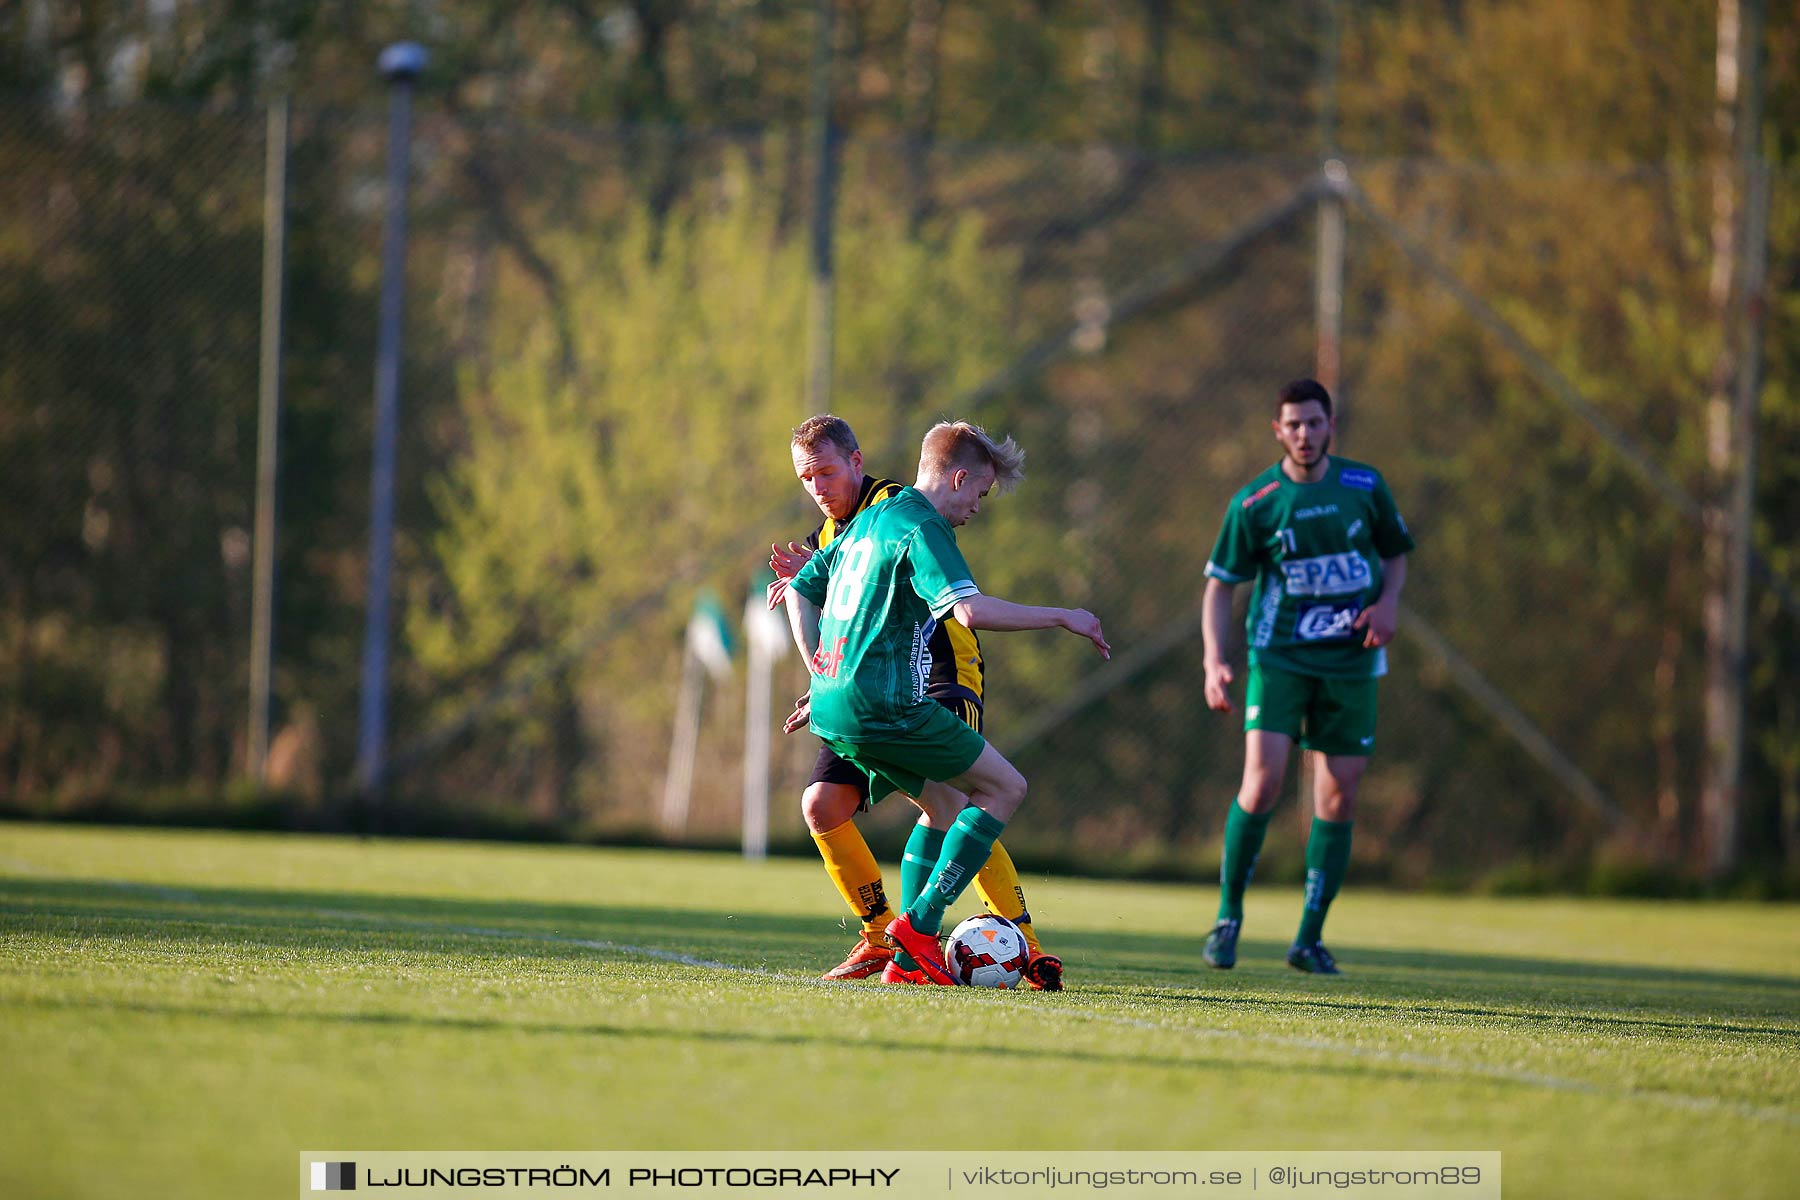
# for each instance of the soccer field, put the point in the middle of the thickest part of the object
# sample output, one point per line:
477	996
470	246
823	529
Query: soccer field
180	1013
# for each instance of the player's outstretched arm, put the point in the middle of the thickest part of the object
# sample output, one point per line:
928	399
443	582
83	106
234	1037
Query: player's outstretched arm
1002	616
1381	618
1215	631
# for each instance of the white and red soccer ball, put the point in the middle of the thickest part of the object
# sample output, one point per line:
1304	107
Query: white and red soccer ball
987	951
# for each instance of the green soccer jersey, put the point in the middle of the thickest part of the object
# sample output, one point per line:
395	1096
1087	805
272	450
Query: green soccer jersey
881	585
1315	551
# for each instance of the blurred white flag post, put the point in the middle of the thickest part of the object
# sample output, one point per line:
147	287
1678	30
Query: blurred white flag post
707	652
767	638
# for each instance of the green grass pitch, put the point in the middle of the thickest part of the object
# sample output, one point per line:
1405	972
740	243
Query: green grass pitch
180	1013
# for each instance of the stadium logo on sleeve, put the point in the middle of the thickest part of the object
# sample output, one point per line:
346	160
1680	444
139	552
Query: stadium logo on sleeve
1260	492
334	1177
1362	481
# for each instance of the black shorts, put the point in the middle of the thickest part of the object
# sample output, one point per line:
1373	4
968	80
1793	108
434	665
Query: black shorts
831	769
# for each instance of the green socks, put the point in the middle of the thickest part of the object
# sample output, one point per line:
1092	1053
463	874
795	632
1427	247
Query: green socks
1327	856
1243	842
967	846
917	862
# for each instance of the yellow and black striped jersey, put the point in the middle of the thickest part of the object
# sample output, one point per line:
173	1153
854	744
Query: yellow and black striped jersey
874	491
956	664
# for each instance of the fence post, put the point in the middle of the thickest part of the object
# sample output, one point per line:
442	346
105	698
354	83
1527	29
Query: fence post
1731	429
268	425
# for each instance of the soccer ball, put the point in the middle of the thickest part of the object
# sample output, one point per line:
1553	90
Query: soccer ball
987	951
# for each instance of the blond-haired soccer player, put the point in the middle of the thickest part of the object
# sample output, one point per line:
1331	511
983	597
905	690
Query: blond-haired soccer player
881	587
829	464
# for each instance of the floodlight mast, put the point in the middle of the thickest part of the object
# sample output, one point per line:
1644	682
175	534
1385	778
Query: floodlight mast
400	66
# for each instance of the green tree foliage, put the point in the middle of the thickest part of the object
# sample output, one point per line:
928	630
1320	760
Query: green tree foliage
606	341
1155	73
1546	548
657	453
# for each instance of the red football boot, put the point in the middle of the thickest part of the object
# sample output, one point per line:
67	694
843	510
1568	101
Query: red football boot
924	949
866	958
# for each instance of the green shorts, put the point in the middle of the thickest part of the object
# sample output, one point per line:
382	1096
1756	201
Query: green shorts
1332	716
941	748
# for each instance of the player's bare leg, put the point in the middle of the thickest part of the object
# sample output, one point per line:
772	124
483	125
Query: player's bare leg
992	784
1336	780
938	804
1265	767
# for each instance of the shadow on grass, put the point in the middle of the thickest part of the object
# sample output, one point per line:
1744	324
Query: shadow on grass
356	922
825	1040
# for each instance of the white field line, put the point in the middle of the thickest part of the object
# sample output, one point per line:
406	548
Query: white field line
1449	1067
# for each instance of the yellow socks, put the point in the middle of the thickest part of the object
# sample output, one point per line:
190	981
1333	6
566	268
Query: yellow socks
853	869
998	886
857	876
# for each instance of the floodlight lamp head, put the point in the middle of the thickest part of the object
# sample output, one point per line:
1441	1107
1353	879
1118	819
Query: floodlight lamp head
402	62
1337	177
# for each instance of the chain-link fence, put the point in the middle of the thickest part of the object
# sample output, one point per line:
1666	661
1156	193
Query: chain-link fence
606	350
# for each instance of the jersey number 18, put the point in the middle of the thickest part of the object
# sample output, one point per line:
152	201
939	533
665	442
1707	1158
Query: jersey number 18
846	592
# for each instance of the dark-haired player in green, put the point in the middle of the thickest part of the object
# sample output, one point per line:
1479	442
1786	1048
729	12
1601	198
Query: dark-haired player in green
1324	542
881	586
